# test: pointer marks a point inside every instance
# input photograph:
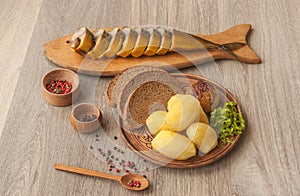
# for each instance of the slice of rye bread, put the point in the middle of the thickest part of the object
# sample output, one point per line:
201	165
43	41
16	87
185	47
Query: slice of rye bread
149	97
118	84
158	75
110	87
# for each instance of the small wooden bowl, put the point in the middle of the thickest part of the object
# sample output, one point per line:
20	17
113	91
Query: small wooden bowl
79	112
61	99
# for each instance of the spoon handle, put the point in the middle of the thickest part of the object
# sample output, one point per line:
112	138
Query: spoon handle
86	172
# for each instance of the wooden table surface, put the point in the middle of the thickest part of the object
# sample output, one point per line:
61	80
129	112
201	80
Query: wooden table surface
35	135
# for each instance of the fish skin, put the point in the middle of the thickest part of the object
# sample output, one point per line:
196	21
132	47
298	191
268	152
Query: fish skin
182	41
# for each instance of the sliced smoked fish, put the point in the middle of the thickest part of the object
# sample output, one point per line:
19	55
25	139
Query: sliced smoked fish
141	42
82	40
138	41
102	43
129	41
117	38
166	39
154	42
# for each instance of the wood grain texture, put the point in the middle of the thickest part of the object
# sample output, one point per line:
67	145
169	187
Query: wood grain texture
264	162
17	22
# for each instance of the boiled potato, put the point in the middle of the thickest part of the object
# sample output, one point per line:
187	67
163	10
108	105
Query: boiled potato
203	136
156	121
173	145
183	110
203	116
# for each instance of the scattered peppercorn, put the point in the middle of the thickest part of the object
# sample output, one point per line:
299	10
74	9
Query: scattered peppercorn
116	163
115	137
59	87
130	164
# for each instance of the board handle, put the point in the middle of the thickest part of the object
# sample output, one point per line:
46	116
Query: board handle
235	34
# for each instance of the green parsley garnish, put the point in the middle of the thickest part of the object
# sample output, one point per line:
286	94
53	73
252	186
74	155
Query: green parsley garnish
227	122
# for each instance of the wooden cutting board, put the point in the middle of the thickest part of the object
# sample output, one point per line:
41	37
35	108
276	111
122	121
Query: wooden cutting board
59	52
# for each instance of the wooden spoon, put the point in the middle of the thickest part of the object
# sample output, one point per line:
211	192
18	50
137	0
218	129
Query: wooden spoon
123	180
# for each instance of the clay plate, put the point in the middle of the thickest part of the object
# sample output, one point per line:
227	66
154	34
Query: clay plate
140	140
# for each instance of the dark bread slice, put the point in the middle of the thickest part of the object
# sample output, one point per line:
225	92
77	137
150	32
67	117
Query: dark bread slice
138	80
110	87
127	82
150	96
126	78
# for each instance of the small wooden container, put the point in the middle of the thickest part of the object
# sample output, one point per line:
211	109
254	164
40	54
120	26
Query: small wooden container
80	112
61	99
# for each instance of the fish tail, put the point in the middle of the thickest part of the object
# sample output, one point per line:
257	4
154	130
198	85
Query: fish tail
234	42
